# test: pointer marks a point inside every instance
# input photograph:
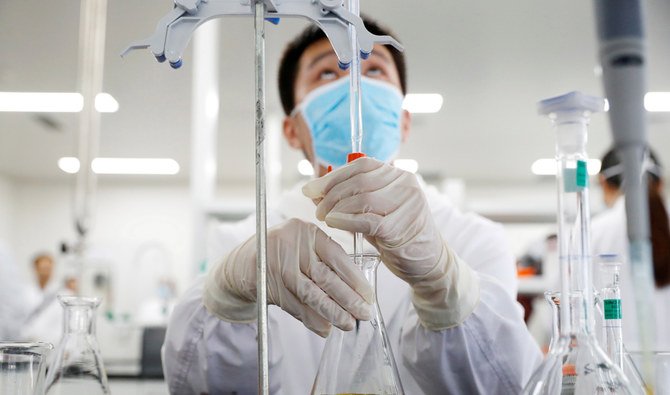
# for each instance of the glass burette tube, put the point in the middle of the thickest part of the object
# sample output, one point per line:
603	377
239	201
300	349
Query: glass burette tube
355	116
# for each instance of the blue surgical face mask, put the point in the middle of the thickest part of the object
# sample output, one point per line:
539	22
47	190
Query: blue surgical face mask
326	112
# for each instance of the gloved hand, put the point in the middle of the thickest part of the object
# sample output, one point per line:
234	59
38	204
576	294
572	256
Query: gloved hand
308	275
388	206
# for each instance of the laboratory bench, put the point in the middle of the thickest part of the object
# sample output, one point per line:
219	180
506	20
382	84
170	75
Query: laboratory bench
136	386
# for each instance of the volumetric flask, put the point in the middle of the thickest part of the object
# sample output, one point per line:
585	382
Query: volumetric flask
22	367
78	367
576	364
359	361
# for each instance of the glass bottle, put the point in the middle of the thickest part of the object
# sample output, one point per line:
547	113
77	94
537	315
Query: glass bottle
611	307
359	361
22	367
576	364
611	312
78	367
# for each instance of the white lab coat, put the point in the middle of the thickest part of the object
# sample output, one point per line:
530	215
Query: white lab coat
609	236
490	353
44	322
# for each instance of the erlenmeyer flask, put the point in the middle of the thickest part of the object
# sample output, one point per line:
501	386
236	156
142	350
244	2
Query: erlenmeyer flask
77	367
360	361
22	367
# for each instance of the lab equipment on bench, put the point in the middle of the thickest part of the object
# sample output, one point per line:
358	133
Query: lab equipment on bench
577	364
22	367
359	361
610	295
78	367
609	306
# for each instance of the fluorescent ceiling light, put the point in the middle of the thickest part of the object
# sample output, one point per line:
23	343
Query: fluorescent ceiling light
41	101
69	164
409	165
423	103
148	166
657	101
547	167
305	168
104	102
53	102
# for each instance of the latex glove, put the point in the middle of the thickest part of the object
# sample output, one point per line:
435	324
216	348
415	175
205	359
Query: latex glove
308	275
388	206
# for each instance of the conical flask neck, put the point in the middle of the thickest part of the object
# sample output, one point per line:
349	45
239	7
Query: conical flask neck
79	315
369	268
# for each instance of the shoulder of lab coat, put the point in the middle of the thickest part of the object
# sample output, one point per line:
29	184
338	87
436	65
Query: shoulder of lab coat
608	231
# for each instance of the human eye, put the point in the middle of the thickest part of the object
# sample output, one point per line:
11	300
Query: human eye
327	75
374	72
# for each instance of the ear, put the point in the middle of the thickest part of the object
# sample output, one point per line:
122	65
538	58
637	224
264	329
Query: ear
291	132
601	181
405	125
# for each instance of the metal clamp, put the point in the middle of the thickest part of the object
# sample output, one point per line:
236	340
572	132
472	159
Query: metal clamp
174	30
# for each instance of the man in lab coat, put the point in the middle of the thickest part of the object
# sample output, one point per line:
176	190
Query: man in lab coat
446	288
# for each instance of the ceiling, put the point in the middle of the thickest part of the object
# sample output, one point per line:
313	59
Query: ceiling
492	61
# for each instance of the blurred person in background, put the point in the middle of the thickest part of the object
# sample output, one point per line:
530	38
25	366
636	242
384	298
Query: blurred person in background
45	318
609	236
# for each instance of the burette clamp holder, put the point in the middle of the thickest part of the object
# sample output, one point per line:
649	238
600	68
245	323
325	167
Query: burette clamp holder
175	29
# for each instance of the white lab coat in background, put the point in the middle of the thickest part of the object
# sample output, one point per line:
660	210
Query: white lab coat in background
13	307
44	322
609	236
490	353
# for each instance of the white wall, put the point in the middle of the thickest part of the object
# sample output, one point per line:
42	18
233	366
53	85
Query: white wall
6	210
142	230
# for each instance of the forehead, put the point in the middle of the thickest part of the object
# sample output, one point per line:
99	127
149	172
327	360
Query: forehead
322	50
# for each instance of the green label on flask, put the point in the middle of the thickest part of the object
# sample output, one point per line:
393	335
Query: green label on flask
612	309
582	177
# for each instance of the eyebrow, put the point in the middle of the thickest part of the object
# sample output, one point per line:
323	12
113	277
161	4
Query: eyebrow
325	54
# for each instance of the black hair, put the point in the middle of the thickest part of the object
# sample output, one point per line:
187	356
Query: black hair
290	61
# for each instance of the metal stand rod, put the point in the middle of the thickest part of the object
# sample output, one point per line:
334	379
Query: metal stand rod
261	220
91	64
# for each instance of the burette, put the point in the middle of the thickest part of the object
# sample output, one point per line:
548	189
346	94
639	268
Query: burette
355	116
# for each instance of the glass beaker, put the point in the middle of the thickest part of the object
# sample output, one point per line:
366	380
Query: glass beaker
22	367
576	364
78	367
359	361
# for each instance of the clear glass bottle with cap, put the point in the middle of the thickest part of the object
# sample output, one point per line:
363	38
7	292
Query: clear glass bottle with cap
78	367
360	361
576	364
